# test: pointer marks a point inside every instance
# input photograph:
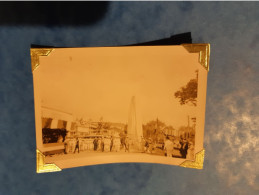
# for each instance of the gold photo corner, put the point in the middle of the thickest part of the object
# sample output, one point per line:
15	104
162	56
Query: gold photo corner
197	164
42	167
35	53
203	50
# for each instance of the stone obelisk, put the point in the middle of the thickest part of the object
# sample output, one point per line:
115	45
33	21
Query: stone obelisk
134	130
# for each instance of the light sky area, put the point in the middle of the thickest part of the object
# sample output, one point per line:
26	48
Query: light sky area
100	82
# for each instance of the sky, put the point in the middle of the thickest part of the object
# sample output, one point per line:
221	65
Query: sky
100	82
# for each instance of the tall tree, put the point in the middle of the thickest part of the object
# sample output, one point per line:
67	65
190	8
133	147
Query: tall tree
154	129
188	93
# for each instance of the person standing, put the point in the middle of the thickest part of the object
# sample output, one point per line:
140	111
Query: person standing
77	145
117	144
127	144
111	146
66	147
91	144
102	144
81	146
95	142
169	146
190	151
107	144
86	144
73	144
184	148
70	146
99	143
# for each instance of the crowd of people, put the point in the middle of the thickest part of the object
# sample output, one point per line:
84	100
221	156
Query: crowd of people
185	147
102	144
172	147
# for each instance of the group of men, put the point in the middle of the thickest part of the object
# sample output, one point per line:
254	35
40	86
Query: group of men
107	144
116	144
71	145
103	144
147	145
186	148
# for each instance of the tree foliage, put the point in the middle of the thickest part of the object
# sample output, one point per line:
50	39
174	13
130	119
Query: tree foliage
154	129
188	93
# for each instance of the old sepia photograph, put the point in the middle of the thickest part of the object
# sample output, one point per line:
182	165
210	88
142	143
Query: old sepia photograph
119	104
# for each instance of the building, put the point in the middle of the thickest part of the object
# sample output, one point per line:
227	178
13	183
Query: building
56	126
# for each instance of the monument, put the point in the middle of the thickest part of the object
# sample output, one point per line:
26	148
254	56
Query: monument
134	130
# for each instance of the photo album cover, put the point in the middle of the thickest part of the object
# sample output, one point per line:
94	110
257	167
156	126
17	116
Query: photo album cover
127	104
